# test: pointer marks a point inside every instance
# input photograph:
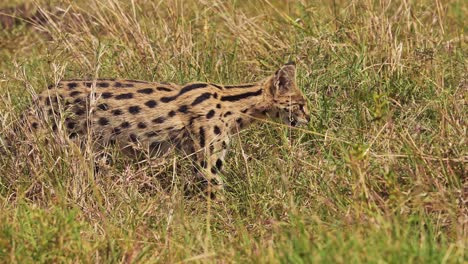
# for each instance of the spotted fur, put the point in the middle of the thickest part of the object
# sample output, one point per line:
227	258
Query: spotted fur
197	118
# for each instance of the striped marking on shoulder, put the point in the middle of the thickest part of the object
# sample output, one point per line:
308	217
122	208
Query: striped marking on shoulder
250	85
184	90
237	97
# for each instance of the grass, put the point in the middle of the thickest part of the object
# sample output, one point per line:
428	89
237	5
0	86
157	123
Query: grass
378	176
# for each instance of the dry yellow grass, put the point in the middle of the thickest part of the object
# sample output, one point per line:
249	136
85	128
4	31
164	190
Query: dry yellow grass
378	176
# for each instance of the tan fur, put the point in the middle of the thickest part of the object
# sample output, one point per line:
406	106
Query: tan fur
195	118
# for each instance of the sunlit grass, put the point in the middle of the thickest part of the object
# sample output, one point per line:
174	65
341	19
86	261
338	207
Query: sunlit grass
377	176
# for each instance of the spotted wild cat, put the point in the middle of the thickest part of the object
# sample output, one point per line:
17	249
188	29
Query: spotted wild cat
196	118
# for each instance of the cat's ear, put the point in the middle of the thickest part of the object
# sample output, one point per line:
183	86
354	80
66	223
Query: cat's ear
285	78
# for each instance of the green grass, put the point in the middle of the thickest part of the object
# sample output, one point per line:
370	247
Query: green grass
378	176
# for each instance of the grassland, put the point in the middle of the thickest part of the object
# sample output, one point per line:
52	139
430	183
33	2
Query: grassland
378	176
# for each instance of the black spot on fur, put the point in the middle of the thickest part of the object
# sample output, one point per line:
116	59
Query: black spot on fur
47	101
103	106
116	131
219	164
71	125
103	84
183	109
171	113
202	137
133	138
203	164
79	111
244	110
35	125
164	89
73	135
141	125
124	96
125	124
213	170
106	95
103	121
217	86
151	103
215	95
192	119
218	106
134	109
167	99
123	85
228	113
159	120
72	85
78	101
210	114
117	112
216	130
239	121
88	84
146	91
201	98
